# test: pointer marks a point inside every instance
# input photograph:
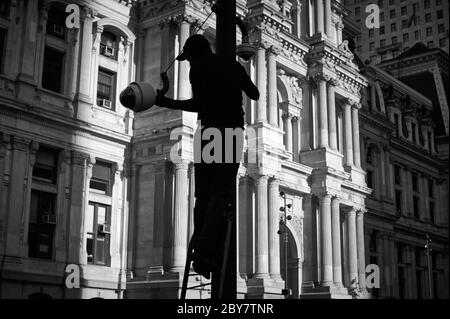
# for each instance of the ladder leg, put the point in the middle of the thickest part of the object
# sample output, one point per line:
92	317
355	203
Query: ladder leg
187	269
225	255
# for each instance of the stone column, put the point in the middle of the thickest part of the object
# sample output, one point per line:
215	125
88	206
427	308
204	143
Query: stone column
14	224
274	226
180	217
328	24
387	265
86	70
356	145
352	247
262	262
272	85
336	235
28	61
304	21
246	226
326	241
191	199
261	83
287	117
332	131
320	25
5	166
297	138
323	112
297	13
360	249
183	66
348	134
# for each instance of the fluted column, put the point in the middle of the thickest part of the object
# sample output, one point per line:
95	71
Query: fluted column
361	249
261	78
332	130
180	217
319	16
183	67
348	134
326	241
352	247
272	85
287	117
274	221
356	145
336	235
262	262
323	112
191	199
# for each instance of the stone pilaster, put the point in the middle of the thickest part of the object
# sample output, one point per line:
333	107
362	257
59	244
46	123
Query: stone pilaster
261	82
352	247
272	85
262	262
348	133
355	127
274	225
336	237
361	249
332	130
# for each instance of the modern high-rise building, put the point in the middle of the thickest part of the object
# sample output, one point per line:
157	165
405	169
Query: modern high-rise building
403	23
90	191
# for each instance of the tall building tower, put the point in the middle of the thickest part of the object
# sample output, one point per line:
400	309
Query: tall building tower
403	23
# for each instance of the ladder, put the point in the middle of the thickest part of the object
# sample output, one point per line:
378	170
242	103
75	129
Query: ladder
229	215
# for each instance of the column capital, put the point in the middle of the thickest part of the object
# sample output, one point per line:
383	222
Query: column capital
183	165
20	143
87	13
79	158
273	51
286	115
261	180
361	212
324	196
274	181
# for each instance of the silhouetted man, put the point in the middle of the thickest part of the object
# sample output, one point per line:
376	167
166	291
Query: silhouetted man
217	85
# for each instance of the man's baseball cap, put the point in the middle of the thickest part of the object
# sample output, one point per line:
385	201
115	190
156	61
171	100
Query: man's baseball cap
195	45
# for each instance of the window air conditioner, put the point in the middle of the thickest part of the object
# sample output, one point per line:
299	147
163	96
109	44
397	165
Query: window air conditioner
58	29
105	229
107	51
49	219
106	103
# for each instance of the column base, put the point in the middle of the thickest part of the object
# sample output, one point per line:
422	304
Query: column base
264	288
322	157
331	292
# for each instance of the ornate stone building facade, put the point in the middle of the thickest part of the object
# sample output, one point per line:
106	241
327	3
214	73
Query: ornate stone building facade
86	182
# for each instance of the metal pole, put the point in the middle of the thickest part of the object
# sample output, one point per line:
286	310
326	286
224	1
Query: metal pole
226	47
428	252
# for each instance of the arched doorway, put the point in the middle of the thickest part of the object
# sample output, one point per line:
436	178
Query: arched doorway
293	264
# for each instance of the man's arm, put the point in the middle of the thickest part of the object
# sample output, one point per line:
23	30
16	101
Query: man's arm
185	105
248	87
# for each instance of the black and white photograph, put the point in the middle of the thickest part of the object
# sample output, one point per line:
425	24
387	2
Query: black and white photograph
232	156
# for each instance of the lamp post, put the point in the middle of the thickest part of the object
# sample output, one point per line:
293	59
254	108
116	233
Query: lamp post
283	232
428	252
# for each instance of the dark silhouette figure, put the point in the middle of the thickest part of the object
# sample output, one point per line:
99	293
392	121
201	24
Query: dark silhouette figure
217	86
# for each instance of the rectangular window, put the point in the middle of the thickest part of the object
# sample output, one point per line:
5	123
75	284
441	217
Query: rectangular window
98	232
370	179
441	28
108	45
443	42
101	178
413	128
414	181
52	70
405	37
56	23
416	207
440	14
3	33
430	188
404	11
398	201
430	44
4	8
106	89
397	175
45	167
429	31
392	14
41	225
397	124
427	4
393	27
428	17
432	213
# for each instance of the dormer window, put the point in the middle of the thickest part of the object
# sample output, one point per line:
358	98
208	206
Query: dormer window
56	22
108	45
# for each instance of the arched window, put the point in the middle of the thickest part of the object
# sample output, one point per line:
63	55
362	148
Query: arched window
4	22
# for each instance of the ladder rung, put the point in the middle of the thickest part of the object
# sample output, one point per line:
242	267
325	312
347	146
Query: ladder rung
201	285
